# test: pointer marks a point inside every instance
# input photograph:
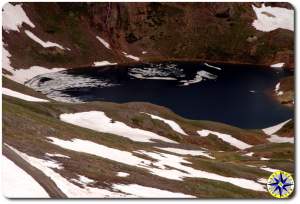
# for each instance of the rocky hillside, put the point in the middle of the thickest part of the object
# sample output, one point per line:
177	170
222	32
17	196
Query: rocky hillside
132	150
79	34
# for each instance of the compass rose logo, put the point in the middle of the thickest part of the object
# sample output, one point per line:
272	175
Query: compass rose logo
280	184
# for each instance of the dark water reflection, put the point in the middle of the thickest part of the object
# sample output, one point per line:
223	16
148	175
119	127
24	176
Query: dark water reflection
238	96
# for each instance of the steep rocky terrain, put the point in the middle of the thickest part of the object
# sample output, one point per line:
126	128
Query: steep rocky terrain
150	31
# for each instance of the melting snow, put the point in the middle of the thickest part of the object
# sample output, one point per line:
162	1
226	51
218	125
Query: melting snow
262	180
268	169
122	174
54	84
57	155
226	138
103	63
15	94
13	16
200	76
278	65
148	192
69	189
249	154
98	121
264	159
171	123
277	88
275	128
144	52
166	165
186	152
17	183
157	72
106	44
275	138
271	18
211	66
131	56
41	42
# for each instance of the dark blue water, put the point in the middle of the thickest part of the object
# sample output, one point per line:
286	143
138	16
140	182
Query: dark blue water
240	95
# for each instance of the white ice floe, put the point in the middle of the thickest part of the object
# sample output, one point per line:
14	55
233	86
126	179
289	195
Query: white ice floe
226	138
106	44
277	65
41	42
131	56
211	66
57	155
164	165
123	174
265	168
98	121
186	152
171	123
265	159
15	94
200	76
53	85
277	89
13	16
249	154
148	192
103	63
271	131
157	72
16	183
271	18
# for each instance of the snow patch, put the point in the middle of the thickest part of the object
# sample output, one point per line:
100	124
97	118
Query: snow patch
275	128
103	63
186	152
265	159
265	168
15	94
148	192
17	183
165	165
57	155
249	154
123	174
106	44
41	42
200	76
171	123
13	16
275	138
69	189
98	121
278	65
226	138
131	56
271	18
262	180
